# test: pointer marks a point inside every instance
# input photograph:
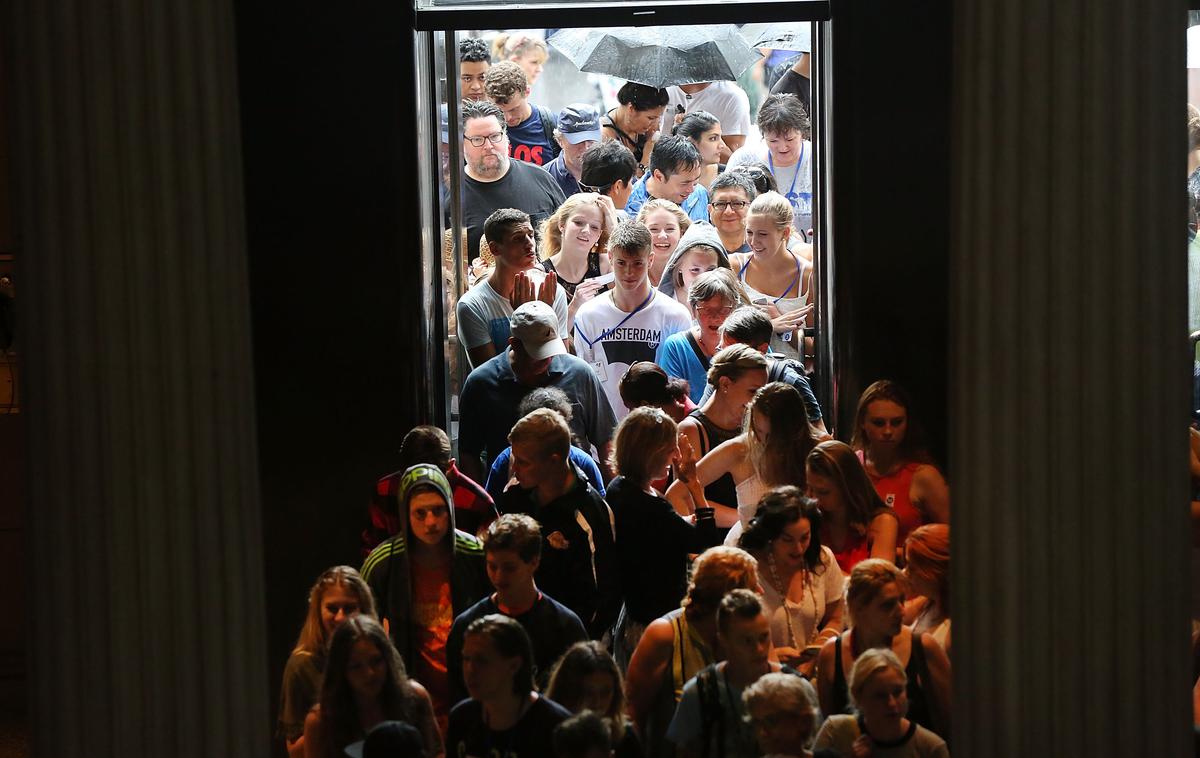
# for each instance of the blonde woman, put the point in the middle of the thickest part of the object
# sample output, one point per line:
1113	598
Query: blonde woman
667	223
530	53
574	240
770	452
338	594
777	279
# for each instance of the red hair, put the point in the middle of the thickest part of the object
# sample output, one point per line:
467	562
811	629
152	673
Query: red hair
928	549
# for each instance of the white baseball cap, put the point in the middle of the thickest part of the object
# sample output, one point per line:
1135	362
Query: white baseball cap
535	324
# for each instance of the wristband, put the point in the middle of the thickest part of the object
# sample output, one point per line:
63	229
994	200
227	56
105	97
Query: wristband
706	514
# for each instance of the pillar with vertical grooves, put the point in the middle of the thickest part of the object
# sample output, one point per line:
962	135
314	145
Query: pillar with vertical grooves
145	540
1070	376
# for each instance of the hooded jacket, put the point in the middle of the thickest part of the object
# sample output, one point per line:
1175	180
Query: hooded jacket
386	569
699	233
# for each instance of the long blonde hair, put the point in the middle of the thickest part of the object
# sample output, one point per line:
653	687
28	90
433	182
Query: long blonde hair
552	226
313	639
779	459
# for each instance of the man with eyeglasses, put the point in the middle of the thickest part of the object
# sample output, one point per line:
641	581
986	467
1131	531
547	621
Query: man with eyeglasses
610	169
787	151
493	180
731	194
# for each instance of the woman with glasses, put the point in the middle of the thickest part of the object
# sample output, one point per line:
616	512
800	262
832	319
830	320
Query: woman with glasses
729	203
713	295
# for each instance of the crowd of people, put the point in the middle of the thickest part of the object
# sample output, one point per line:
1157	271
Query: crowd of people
649	544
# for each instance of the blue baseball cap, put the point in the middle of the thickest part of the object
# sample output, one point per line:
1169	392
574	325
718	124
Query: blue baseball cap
579	122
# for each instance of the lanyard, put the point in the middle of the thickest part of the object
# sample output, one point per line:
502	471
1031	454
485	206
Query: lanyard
608	332
799	163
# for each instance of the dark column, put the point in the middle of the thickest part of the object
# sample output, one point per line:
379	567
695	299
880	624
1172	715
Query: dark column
145	540
1070	373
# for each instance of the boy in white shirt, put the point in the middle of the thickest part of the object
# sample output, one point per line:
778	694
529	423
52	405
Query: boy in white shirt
630	322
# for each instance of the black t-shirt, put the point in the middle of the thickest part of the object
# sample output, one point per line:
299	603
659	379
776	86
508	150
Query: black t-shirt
525	187
653	543
552	628
467	735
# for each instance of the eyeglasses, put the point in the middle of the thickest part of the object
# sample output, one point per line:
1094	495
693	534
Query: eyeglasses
714	312
737	205
495	139
598	189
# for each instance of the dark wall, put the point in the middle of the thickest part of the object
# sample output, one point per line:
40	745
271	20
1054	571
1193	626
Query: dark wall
327	138
891	111
326	96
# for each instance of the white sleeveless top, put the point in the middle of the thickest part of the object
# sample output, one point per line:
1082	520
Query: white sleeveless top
749	491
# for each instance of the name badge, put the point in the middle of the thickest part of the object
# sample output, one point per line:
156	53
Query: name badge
601	370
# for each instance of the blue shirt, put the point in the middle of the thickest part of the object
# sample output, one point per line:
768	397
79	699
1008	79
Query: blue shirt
558	169
696	205
527	141
679	360
498	476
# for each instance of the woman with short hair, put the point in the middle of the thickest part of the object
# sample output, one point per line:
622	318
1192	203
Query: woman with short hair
875	599
504	715
878	689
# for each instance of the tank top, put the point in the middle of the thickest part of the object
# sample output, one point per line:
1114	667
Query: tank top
723	490
917	672
637	145
593	270
689	655
857	547
785	345
893	489
749	491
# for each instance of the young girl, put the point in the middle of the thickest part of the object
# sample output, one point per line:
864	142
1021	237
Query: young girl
338	594
856	525
889	445
704	130
365	684
504	715
667	223
770	452
776	278
653	541
587	678
574	240
529	53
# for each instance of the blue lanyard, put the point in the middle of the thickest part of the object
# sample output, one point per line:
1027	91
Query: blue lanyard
771	164
608	332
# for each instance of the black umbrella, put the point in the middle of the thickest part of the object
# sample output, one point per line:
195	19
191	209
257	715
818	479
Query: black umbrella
659	56
781	36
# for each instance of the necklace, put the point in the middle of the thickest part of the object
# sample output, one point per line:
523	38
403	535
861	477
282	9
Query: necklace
805	581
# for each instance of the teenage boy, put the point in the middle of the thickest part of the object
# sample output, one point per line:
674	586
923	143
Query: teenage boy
630	322
579	561
725	100
425	576
493	180
474	59
674	175
578	129
484	311
729	200
751	326
710	719
474	508
536	357
512	546
786	150
610	169
530	127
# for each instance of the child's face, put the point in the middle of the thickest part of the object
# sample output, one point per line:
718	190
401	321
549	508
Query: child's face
631	268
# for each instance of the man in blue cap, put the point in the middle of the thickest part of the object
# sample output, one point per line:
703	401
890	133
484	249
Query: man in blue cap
578	129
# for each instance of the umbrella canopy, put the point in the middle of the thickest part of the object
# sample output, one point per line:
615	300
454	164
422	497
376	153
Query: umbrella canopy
790	36
659	56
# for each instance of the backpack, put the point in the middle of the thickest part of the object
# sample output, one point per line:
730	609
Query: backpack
712	716
548	125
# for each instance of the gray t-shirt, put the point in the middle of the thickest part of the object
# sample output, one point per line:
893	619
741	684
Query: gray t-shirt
796	187
483	316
